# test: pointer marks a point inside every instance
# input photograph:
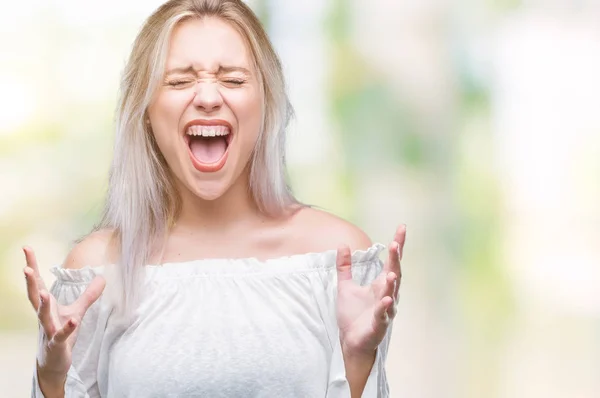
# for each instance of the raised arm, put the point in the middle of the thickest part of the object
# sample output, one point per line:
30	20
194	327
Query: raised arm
61	313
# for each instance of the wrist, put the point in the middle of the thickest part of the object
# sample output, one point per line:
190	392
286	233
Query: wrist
358	364
51	383
358	353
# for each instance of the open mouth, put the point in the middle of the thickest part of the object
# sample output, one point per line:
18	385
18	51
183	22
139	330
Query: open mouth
208	145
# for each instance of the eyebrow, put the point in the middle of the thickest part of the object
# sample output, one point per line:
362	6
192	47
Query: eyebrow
222	69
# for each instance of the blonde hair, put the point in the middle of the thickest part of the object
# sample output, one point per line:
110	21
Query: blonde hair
142	201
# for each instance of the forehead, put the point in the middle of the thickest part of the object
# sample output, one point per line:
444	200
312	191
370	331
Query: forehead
207	43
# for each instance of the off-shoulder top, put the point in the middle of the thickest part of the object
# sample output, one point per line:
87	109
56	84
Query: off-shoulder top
220	328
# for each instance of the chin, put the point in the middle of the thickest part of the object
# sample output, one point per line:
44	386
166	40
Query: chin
210	190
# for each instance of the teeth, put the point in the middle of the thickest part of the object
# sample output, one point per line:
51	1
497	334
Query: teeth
208	131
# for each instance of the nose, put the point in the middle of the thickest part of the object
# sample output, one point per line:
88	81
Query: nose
207	97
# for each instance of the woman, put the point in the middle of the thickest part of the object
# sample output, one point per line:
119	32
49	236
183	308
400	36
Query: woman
226	286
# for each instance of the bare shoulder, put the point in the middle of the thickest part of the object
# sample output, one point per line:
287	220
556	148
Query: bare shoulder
319	231
93	250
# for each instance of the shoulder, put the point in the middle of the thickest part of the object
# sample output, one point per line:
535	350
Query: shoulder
95	249
319	231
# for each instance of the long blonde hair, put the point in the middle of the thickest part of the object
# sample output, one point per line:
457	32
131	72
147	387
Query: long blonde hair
142	201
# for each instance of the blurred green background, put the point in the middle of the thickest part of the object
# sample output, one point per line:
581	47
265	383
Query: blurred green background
475	123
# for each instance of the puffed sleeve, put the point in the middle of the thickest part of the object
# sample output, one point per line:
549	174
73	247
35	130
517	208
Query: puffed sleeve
366	265
82	375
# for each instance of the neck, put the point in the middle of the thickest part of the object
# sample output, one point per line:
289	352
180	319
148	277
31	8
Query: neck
234	208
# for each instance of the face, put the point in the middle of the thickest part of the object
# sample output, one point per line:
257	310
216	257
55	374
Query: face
206	115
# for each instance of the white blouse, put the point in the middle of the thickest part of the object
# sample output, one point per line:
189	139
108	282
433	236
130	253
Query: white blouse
221	328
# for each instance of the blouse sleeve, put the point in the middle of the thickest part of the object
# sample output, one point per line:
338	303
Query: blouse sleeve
366	266
81	379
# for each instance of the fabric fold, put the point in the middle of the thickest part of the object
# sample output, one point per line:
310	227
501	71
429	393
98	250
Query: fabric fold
220	328
366	266
81	376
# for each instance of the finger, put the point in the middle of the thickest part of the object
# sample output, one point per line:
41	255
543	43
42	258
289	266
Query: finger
392	266
395	251
397	268
44	314
90	294
393	262
400	237
392	309
380	316
32	263
33	292
343	263
390	284
63	334
398	246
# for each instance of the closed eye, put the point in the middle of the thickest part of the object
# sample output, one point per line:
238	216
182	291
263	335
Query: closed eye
178	83
237	82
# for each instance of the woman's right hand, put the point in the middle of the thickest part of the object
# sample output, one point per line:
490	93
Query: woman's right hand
59	324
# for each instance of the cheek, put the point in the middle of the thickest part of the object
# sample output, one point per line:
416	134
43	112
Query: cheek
248	112
165	113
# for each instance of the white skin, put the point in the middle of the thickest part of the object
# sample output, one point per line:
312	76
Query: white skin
221	83
217	207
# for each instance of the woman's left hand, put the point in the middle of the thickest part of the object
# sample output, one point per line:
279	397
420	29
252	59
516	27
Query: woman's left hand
364	312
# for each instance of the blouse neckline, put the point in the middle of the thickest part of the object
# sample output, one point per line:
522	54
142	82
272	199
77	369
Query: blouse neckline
305	262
